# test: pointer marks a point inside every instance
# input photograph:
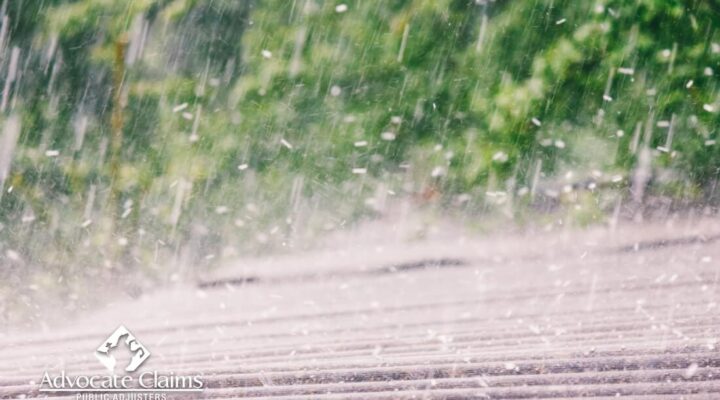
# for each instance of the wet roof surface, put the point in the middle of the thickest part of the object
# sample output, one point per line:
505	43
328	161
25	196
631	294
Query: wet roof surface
631	313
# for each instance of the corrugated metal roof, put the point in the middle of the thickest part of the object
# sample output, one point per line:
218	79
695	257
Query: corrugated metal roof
544	316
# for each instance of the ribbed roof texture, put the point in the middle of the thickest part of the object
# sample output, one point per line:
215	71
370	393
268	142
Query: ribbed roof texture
633	313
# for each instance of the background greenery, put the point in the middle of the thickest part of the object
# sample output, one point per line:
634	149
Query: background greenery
146	133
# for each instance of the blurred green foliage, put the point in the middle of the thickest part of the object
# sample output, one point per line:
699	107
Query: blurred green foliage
248	124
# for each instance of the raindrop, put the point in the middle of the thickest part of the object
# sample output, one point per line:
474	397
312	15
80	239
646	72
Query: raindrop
500	157
180	107
389	136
